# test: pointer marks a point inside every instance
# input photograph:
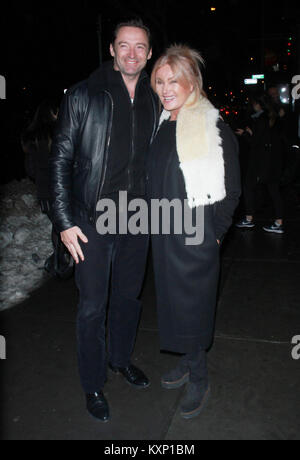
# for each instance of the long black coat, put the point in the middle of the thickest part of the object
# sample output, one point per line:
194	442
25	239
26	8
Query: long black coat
186	277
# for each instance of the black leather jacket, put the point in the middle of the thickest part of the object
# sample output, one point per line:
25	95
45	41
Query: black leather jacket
80	149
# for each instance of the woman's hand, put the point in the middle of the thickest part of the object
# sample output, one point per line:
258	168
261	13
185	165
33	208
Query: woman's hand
70	239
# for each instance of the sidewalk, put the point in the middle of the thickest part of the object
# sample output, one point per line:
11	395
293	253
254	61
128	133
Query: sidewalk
255	382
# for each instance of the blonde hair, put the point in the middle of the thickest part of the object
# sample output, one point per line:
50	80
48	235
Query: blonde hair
185	63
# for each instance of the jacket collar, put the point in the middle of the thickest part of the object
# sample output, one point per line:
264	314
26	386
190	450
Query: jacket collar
103	78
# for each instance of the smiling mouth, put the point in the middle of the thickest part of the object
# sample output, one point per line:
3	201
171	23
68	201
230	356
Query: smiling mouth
169	99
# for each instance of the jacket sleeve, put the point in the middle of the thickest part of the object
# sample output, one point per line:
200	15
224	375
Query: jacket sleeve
61	162
225	209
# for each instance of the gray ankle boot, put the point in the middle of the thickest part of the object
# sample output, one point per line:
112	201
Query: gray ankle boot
195	398
197	390
176	377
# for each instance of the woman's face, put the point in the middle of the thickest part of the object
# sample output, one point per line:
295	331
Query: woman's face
171	93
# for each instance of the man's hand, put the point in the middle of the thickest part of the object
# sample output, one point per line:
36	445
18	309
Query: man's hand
70	239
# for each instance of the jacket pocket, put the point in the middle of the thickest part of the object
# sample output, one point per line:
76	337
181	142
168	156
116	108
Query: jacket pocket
81	169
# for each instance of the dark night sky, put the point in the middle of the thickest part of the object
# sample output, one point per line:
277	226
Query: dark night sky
50	46
47	46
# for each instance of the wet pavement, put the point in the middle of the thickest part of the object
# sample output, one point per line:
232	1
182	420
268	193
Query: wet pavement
255	380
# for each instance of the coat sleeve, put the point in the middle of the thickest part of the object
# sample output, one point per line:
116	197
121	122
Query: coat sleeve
224	210
61	162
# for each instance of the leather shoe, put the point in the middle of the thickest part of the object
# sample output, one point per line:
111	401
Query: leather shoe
133	375
97	406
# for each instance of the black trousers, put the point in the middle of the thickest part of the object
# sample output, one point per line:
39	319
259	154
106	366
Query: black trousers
274	192
110	279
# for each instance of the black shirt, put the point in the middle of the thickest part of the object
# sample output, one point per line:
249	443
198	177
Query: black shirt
130	136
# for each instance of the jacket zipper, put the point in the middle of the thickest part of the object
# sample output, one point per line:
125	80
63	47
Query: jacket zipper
132	145
101	183
155	117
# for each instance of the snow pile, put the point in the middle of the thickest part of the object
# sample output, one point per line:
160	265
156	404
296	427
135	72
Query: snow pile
25	242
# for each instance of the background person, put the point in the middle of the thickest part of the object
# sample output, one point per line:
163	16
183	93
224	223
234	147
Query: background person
36	141
265	162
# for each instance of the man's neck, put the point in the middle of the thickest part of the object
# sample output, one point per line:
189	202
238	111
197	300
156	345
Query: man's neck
130	83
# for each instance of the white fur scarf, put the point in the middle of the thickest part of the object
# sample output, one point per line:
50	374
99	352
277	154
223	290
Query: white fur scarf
200	152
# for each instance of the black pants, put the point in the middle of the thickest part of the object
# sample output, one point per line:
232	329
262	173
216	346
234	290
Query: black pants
274	192
112	273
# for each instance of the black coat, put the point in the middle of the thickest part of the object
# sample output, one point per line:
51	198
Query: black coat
186	277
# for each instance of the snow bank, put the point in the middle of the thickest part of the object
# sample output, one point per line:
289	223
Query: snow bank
25	242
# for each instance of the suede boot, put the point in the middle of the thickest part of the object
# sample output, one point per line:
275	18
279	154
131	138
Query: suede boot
197	390
178	376
194	399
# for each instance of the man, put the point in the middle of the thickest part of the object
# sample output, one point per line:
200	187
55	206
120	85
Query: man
104	130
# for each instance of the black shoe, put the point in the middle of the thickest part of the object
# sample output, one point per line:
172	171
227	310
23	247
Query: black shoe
245	223
133	375
274	228
97	406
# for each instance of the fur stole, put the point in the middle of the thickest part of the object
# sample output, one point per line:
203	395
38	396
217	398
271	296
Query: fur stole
200	152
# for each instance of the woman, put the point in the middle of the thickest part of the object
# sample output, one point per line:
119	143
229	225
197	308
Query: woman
36	142
265	164
194	157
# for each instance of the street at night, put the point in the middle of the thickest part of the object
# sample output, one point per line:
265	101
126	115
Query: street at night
50	185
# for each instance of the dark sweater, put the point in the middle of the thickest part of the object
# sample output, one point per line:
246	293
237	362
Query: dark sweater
130	136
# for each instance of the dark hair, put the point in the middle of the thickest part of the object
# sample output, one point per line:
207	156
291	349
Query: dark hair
267	104
41	128
138	23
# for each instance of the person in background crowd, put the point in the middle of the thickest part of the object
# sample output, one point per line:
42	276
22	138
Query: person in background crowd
36	141
290	123
265	163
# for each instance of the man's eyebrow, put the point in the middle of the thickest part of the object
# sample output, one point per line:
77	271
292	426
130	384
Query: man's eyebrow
127	43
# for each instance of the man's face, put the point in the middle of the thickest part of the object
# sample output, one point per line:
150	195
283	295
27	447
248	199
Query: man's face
274	94
131	51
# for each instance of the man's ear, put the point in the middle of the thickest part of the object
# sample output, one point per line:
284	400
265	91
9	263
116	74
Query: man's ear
112	51
149	55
